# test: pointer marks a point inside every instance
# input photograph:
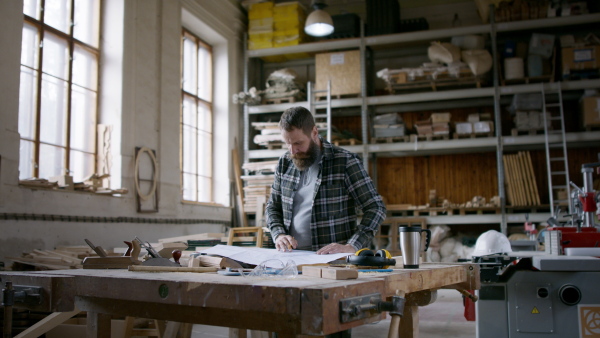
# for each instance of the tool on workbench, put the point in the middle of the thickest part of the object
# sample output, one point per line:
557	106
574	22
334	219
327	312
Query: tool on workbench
97	249
129	248
155	258
112	262
369	259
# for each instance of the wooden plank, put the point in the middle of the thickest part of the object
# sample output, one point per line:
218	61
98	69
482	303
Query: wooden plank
428	276
523	178
238	184
48	323
339	273
98	325
202	236
147	268
330	272
260	210
529	179
510	194
519	181
532	173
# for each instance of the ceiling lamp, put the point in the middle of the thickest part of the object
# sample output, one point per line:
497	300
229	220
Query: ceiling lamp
319	22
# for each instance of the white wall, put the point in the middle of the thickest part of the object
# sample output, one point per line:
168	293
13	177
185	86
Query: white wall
140	98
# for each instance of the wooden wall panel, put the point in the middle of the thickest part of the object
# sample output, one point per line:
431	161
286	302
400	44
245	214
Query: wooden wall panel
349	123
460	177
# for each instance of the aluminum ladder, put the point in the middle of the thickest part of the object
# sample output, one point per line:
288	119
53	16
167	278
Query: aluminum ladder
555	139
314	104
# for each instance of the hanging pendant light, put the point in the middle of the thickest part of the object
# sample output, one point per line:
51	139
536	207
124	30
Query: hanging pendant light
319	22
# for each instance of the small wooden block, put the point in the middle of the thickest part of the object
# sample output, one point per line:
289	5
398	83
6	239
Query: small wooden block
194	262
339	273
312	271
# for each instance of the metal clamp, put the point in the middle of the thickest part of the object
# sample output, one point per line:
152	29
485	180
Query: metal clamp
30	295
360	307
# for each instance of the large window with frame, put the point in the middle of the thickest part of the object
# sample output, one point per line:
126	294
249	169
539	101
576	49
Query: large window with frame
196	119
58	97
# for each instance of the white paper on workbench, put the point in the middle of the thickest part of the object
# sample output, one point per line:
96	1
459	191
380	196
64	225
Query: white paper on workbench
256	256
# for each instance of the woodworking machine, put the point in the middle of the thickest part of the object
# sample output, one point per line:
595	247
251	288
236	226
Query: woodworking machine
546	294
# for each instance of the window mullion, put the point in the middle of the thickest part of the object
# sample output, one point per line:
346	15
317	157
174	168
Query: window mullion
197	173
38	104
69	92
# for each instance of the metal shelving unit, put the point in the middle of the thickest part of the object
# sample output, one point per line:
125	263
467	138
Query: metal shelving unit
498	143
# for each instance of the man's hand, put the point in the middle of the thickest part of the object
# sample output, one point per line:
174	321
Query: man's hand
285	243
335	248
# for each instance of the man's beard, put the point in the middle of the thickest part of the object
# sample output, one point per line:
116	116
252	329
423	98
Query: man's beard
303	161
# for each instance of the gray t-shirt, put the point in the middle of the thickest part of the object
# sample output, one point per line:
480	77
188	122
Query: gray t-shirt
303	203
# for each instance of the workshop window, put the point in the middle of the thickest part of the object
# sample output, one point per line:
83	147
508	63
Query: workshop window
58	96
196	119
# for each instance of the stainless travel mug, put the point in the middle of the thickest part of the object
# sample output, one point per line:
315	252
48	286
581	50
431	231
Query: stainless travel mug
410	244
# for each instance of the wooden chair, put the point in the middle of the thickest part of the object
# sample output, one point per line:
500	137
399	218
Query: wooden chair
257	230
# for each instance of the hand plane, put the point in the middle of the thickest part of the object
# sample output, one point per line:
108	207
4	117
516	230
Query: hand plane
155	258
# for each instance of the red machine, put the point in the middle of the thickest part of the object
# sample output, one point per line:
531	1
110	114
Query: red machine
584	232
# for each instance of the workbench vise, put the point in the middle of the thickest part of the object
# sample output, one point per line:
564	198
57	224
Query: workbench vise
360	307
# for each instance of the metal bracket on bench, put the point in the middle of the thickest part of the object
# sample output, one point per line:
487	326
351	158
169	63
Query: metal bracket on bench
30	295
360	307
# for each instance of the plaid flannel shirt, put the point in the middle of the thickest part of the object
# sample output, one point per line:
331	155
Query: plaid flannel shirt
342	185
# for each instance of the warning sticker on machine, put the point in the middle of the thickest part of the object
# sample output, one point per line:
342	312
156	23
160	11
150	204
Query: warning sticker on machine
535	310
589	320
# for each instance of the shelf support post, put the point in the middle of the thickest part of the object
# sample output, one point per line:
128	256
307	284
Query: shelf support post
498	123
363	94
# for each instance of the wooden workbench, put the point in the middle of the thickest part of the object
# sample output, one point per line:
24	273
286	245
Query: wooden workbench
300	306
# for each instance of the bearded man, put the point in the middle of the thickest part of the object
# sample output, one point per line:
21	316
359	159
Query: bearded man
316	191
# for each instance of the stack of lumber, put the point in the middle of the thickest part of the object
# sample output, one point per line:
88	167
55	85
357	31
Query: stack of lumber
195	242
261	167
269	133
38	183
257	190
521	187
60	259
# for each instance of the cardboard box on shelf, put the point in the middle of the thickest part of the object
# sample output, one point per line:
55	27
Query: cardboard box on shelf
590	107
440	117
440	128
342	69
391	130
260	25
580	58
261	10
463	128
483	127
423	127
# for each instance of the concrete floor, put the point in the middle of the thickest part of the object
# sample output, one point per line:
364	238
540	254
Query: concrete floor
442	318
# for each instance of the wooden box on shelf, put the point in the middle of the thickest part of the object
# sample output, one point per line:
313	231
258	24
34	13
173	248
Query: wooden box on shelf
590	107
342	69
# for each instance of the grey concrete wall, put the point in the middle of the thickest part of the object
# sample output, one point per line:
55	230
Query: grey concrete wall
140	86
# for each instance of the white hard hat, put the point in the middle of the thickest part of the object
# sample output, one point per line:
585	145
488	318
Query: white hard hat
491	242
